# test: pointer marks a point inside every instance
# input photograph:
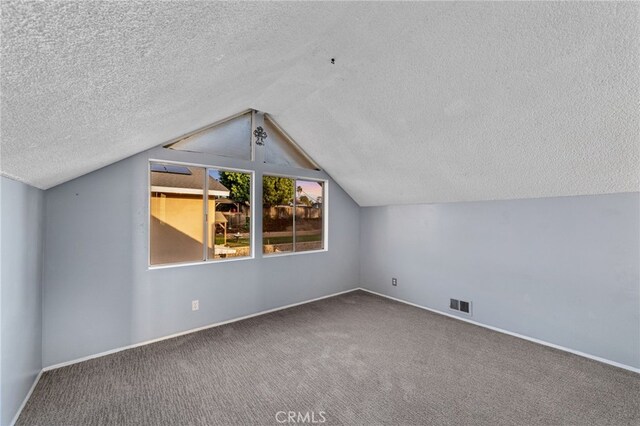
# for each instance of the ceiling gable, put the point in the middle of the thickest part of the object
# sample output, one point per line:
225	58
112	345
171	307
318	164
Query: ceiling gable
426	102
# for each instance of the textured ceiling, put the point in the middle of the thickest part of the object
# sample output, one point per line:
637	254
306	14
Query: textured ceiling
427	102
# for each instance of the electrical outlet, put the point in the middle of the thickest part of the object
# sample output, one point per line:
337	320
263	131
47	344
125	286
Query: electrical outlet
195	305
394	282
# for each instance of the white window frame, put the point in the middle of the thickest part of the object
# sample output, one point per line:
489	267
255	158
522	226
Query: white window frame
325	217
204	260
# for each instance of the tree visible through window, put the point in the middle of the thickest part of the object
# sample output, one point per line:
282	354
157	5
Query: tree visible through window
231	230
292	215
185	229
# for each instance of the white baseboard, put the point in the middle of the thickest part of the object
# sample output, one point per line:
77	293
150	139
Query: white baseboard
510	333
26	398
194	330
112	351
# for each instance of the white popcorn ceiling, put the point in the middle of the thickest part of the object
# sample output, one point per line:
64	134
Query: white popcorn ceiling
426	102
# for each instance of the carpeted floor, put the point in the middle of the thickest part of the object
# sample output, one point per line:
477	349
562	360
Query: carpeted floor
355	359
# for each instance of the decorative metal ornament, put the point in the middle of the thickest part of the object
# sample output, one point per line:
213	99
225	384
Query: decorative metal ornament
260	135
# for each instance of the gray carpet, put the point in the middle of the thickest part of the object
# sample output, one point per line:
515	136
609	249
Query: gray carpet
355	359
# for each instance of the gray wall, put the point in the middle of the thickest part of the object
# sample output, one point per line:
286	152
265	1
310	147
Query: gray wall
100	295
21	295
563	270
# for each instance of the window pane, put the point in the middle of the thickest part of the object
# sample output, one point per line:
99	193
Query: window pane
280	150
229	227
277	211
229	139
176	230
308	225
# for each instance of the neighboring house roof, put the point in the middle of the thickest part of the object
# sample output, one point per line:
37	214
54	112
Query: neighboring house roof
186	183
220	218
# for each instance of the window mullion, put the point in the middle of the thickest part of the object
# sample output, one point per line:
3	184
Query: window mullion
294	216
205	216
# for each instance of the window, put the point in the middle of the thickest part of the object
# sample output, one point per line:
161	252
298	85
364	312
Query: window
229	214
200	213
185	228
309	219
292	215
177	209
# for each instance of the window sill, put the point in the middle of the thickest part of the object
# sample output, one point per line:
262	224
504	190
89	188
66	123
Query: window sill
200	262
292	253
